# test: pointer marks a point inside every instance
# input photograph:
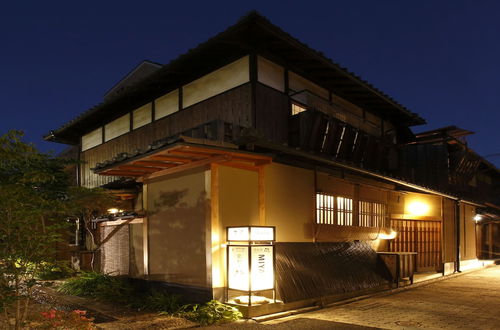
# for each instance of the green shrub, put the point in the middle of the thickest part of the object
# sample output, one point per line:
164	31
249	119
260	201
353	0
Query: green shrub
53	271
210	313
115	289
99	286
159	302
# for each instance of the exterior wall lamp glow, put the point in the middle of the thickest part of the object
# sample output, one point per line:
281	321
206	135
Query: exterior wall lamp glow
113	215
250	265
392	235
418	208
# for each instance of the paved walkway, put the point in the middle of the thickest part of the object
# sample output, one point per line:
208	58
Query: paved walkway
468	301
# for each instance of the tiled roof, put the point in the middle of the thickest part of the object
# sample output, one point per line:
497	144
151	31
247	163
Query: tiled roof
250	32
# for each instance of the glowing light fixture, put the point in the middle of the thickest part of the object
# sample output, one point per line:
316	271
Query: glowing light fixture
477	217
418	208
250	263
114	211
392	235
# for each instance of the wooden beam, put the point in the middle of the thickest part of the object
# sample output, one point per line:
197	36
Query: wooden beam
241	166
154	164
171	158
188	166
122	173
198	155
140	168
235	155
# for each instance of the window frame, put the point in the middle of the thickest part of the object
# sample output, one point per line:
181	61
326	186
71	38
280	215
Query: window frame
334	210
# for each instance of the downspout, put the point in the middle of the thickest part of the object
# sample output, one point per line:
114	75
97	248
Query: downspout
457	224
315	225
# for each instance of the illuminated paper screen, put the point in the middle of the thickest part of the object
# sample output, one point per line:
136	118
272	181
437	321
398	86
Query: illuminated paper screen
238	272
262	268
238	234
250	234
262	233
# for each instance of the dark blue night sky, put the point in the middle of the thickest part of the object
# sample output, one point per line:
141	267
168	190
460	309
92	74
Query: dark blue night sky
441	59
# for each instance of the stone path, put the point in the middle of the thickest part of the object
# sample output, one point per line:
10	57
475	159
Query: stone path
468	301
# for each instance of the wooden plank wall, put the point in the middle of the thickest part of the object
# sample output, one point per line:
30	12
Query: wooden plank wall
417	160
423	237
233	106
315	131
272	113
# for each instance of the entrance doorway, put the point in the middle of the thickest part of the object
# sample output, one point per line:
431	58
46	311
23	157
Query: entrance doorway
421	236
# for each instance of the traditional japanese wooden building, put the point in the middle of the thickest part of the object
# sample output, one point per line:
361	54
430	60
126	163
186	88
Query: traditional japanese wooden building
254	128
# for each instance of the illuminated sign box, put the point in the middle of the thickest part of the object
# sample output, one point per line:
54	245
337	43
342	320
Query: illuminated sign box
250	260
251	234
250	268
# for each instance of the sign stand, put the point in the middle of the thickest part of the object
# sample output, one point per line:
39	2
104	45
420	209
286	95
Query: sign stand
250	265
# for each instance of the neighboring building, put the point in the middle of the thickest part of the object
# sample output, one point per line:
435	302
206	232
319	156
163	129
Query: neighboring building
253	127
457	168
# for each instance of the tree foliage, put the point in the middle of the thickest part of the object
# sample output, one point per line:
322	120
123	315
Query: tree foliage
34	195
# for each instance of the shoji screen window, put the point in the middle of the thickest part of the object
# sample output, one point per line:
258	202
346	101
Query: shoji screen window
333	210
372	214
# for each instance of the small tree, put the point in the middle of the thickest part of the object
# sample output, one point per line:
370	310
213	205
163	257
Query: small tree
33	194
86	204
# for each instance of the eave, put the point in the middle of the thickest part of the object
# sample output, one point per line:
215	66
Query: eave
252	34
181	157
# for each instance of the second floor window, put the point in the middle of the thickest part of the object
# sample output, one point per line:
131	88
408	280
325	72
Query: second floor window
333	210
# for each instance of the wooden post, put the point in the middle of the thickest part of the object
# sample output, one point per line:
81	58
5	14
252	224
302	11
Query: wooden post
490	241
145	231
355	206
262	196
217	270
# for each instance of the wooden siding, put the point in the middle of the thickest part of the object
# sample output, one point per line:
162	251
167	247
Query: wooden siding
423	237
272	112
232	106
416	160
313	130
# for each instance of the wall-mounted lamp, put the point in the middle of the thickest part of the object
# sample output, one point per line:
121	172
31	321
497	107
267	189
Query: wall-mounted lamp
392	235
114	211
418	208
477	217
114	214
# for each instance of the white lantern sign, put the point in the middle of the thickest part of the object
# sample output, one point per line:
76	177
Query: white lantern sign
262	268
250	261
238	272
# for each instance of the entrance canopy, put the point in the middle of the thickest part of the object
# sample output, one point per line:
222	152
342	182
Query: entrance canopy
180	157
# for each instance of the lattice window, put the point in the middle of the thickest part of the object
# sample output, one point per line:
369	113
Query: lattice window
364	214
333	210
325	209
371	214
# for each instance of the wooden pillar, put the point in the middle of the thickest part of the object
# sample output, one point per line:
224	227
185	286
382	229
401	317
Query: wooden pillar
490	241
216	267
145	231
355	206
262	196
